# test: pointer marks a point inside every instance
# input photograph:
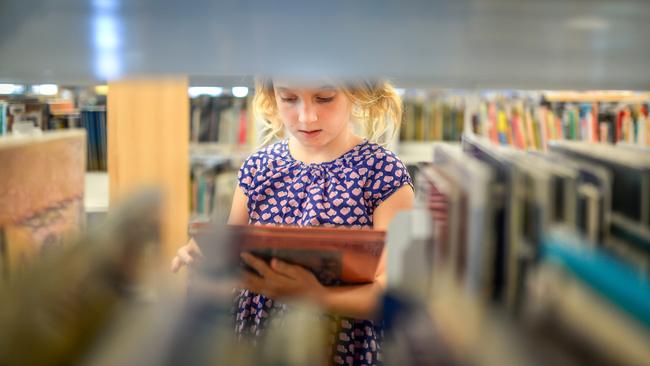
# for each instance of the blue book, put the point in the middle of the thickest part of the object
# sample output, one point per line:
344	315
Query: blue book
613	279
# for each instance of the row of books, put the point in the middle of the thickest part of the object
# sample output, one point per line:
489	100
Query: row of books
432	118
225	119
212	186
534	234
60	114
528	124
219	119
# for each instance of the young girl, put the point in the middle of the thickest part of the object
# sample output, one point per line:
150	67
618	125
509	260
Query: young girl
322	175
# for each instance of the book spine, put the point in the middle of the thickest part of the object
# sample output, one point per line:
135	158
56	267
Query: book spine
544	115
533	139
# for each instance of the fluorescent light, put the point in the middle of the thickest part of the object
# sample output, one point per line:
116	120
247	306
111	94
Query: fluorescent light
212	91
45	89
101	89
107	40
11	89
240	91
106	35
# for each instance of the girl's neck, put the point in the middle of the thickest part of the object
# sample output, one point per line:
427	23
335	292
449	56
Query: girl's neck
334	149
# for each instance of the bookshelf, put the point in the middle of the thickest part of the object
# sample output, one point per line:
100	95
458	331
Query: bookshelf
597	96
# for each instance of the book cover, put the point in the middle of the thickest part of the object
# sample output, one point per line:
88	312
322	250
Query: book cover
334	255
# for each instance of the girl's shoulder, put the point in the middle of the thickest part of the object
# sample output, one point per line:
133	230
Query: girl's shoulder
268	155
375	157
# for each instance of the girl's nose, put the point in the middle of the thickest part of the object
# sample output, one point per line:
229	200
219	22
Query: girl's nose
307	113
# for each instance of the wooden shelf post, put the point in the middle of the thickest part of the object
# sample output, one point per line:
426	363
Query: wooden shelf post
148	138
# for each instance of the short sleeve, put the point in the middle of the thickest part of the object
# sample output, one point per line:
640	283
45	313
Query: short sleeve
247	172
390	174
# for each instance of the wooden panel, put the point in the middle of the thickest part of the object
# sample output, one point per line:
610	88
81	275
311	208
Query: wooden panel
148	138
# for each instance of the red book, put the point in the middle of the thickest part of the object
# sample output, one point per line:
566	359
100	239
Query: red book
594	122
517	132
492	117
619	125
243	125
334	255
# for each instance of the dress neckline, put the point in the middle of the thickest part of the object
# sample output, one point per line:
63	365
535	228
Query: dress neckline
355	148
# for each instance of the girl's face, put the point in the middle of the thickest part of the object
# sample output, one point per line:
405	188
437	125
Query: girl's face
316	117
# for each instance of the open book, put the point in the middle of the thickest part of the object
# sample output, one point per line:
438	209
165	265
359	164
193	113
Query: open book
335	255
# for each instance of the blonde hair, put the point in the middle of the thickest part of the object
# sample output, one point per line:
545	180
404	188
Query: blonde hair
376	106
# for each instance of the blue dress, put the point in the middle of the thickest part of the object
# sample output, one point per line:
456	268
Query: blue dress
341	192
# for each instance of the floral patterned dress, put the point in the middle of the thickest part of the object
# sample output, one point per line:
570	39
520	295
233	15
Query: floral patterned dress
341	192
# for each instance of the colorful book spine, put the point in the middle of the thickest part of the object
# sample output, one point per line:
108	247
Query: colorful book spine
544	115
3	118
503	133
518	133
594	121
492	118
530	135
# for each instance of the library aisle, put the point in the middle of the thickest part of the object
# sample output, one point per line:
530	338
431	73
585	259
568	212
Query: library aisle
287	183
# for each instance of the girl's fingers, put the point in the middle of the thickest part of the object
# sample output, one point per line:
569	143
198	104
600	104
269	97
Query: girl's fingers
194	250
289	270
185	257
259	265
176	264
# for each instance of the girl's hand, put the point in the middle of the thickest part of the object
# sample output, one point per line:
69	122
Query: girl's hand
281	280
186	255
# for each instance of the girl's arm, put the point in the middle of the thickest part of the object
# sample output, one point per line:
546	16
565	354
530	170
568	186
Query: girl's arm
359	301
239	208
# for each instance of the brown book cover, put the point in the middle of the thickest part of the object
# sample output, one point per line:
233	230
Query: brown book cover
335	255
42	194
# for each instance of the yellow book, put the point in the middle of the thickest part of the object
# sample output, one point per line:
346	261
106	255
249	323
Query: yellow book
503	128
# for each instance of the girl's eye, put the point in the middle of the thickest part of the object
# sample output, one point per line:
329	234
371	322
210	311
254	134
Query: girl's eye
288	99
324	99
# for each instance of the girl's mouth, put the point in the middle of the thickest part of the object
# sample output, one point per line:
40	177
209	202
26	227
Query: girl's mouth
312	133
